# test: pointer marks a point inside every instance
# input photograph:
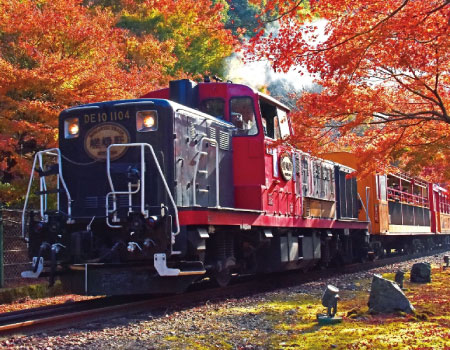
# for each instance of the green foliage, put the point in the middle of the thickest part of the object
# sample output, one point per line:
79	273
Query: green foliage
151	24
193	31
115	5
242	17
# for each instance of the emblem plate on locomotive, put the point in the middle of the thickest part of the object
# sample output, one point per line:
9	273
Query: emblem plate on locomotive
286	166
101	136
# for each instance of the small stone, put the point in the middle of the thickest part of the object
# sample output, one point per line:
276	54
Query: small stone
421	273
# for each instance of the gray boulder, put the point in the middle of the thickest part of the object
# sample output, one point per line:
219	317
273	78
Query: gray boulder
387	297
421	273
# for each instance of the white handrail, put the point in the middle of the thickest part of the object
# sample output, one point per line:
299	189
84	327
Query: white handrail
43	186
166	186
30	182
114	208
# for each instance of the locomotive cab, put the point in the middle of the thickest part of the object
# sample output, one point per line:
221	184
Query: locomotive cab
259	120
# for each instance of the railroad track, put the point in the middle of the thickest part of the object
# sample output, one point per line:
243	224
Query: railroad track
69	314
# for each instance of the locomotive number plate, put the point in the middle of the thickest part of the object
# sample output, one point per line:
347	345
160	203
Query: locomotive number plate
101	136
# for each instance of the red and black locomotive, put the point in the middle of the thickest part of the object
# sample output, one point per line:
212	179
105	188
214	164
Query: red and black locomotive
151	194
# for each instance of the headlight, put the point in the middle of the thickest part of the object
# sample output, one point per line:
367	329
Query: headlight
146	121
149	121
71	128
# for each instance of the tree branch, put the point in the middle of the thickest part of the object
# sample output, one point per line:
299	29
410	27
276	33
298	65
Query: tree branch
446	2
427	143
397	10
295	7
415	92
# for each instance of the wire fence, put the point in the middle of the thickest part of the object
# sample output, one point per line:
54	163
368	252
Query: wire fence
15	251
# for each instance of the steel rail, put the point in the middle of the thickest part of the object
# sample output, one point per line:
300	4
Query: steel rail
36	320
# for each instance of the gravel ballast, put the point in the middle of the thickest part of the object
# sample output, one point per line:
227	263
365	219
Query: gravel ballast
227	324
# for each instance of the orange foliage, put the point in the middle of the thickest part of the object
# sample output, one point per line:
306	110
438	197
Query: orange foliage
384	69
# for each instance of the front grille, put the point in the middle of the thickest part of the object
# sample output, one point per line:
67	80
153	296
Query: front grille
122	201
96	202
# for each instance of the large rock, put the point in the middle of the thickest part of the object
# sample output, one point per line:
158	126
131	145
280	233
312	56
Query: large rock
387	297
421	273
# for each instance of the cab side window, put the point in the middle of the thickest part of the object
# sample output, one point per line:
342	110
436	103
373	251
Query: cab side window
269	120
283	124
243	116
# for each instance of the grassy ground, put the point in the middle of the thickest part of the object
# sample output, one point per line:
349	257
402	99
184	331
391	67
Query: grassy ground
288	321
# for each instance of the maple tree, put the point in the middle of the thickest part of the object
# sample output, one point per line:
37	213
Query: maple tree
56	54
50	59
383	68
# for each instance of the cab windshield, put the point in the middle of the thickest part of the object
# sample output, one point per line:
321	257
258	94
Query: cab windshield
243	116
214	107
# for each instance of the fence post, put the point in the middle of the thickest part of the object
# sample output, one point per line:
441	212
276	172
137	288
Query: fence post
2	276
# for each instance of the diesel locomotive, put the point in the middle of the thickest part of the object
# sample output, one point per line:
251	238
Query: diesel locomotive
149	195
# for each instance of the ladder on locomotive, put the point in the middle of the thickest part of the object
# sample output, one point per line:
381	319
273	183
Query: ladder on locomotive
46	169
201	146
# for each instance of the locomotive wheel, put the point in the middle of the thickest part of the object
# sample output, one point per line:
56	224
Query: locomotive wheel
222	278
408	249
429	244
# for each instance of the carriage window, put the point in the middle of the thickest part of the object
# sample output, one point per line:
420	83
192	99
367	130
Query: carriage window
214	107
382	187
305	176
243	116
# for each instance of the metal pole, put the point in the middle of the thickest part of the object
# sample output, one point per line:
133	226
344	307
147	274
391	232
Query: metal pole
2	276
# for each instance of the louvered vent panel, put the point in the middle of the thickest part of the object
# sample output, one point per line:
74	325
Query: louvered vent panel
224	141
212	134
102	202
91	202
123	201
192	132
94	202
297	164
